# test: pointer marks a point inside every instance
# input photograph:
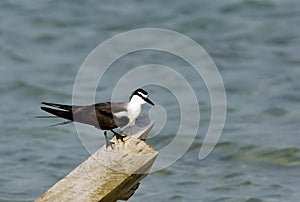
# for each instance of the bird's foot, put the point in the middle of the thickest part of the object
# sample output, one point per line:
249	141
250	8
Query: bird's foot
108	143
119	136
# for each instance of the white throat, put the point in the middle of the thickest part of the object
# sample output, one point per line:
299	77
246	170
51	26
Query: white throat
134	108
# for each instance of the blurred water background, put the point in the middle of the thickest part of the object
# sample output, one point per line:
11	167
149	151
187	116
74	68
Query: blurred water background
255	44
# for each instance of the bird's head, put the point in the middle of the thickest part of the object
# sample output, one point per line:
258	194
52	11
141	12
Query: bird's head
140	96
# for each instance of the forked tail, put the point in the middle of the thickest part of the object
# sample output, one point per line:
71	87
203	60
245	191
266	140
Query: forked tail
62	111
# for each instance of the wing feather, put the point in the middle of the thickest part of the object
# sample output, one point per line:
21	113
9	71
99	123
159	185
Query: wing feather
99	115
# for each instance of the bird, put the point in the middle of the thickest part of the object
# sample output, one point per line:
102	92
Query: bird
104	116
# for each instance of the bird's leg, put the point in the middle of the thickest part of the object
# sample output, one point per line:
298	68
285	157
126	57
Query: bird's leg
118	136
108	143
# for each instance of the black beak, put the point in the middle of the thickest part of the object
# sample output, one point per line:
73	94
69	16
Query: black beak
149	101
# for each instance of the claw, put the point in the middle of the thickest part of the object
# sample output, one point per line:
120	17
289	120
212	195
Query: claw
119	136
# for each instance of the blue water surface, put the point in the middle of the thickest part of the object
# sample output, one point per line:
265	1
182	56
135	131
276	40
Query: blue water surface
255	45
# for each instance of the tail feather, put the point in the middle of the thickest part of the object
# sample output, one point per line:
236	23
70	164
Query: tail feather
42	117
60	106
60	113
61	123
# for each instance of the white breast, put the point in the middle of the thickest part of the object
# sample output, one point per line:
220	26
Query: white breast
133	112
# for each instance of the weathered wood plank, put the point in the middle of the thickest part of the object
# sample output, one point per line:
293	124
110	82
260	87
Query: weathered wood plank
109	174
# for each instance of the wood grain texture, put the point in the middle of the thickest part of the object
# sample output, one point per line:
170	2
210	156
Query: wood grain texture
108	175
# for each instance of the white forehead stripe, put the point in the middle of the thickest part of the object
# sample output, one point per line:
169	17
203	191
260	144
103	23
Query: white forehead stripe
142	94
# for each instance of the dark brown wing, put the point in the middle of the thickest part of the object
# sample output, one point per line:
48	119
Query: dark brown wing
100	115
105	116
109	107
86	115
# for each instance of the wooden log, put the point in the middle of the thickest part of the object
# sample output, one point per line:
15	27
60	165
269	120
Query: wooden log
109	174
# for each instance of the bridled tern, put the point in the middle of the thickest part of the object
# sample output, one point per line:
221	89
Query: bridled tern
104	116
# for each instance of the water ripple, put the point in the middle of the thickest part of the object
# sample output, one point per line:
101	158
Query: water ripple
276	156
